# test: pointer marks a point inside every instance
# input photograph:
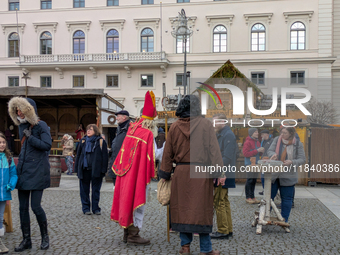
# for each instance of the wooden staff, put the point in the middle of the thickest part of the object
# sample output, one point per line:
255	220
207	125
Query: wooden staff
167	207
8	217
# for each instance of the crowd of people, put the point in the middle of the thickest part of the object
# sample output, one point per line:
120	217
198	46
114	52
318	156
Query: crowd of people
192	140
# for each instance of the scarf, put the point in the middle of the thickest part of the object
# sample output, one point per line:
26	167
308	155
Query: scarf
88	149
288	150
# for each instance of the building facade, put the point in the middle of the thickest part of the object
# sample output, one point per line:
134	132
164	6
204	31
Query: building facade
126	48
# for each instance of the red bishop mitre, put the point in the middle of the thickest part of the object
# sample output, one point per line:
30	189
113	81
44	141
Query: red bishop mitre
149	110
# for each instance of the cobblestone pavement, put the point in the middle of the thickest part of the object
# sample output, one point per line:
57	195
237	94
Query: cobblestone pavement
314	229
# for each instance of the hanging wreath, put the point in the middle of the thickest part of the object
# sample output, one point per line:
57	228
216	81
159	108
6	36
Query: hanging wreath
111	119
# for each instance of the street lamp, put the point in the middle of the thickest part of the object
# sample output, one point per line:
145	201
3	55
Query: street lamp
181	31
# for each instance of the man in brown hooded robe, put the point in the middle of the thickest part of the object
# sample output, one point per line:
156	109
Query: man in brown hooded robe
191	142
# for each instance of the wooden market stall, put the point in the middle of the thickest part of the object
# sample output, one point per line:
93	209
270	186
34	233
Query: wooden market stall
63	109
229	74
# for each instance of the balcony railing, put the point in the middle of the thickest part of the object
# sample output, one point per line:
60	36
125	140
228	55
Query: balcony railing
101	57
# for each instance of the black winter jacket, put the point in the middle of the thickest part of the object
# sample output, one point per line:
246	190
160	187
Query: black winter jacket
116	145
33	167
99	158
266	144
227	142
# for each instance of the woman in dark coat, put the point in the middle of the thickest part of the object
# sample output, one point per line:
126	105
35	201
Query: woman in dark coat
191	141
33	167
91	166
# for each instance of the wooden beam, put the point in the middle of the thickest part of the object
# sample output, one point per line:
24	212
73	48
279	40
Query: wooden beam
66	102
42	102
87	101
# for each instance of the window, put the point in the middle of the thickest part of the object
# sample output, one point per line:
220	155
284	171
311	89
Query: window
78	3
258	37
147	1
78	81
45	81
179	79
13	81
13	43
46	4
220	39
147	40
297	77
112	2
147	80
183	1
180	44
258	78
112	41
46	43
112	81
298	36
13	5
78	42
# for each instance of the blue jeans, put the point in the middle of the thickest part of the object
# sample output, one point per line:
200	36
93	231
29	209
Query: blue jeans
262	180
287	196
69	164
205	241
2	210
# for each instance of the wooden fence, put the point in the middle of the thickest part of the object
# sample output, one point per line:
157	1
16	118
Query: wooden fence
325	154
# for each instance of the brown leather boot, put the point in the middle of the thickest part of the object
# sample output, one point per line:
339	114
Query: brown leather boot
211	253
134	237
185	250
125	235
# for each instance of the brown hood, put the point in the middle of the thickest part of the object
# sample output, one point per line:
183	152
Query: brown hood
26	107
188	125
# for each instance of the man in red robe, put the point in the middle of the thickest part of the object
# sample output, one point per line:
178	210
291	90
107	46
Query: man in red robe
134	167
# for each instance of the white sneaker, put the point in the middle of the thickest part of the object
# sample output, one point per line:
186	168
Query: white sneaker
2	231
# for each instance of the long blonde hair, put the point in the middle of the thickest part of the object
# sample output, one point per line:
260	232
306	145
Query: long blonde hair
6	151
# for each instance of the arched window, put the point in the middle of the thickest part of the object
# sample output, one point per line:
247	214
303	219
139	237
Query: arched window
258	37
46	43
298	36
78	42
112	41
180	44
220	39
147	40
13	45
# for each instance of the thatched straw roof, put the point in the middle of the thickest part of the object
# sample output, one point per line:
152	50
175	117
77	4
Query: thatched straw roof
229	74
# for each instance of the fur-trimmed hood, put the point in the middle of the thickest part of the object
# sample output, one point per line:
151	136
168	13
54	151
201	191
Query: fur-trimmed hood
27	106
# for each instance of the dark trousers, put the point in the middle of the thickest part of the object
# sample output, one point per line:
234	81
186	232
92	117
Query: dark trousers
84	184
250	187
24	196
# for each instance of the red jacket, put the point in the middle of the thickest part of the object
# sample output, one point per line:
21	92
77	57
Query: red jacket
249	149
80	134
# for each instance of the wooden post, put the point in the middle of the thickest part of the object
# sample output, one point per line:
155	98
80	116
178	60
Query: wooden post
167	207
267	194
8	217
98	111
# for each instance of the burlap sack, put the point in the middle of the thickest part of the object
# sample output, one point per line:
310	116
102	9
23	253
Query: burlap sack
164	192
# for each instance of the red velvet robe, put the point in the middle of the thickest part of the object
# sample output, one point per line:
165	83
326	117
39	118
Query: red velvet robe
134	167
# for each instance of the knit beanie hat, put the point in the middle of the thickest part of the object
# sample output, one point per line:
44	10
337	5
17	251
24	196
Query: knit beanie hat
251	131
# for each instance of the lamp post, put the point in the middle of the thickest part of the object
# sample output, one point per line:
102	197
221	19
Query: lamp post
181	31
